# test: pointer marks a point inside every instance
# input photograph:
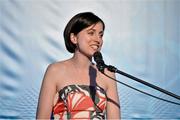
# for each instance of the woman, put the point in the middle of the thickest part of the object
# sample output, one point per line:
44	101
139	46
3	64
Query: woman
74	88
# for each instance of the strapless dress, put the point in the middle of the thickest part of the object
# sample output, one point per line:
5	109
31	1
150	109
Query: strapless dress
80	102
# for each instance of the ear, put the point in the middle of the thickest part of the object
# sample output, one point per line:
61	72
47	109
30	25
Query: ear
73	38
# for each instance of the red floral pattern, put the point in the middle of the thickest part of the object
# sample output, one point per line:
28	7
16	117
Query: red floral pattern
78	102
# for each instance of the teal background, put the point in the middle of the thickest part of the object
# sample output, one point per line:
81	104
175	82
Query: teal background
142	38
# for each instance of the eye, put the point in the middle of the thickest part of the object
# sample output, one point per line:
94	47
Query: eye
100	35
91	33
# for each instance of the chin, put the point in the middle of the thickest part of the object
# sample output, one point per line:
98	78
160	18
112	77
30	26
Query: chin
92	53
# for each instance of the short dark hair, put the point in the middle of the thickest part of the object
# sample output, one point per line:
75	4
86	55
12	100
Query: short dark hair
78	23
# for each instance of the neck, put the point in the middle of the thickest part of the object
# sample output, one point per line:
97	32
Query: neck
81	61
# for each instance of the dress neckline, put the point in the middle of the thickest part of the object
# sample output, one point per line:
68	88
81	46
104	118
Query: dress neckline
82	85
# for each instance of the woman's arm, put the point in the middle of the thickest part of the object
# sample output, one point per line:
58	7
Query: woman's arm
113	106
47	93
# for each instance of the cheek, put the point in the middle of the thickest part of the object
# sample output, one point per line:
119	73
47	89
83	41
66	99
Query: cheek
83	38
83	42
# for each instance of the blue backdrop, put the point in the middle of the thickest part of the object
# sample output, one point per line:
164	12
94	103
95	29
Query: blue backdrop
142	37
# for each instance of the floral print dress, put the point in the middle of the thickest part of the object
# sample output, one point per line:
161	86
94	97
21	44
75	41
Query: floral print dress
80	102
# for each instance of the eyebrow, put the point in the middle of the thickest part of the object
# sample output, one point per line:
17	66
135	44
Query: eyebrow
95	30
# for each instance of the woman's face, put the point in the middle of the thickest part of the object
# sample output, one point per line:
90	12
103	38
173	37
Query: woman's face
89	40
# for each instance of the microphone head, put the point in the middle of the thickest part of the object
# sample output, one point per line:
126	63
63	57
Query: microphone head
99	61
98	57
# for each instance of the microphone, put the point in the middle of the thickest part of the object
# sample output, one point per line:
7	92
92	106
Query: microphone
101	66
99	61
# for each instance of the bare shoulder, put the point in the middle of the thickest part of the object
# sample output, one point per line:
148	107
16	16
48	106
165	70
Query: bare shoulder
109	76
55	67
109	73
55	70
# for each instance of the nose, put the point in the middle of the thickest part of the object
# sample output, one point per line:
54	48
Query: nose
97	38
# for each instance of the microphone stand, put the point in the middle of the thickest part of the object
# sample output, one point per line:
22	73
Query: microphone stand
115	70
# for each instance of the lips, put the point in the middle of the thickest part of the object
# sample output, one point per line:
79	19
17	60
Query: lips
95	46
